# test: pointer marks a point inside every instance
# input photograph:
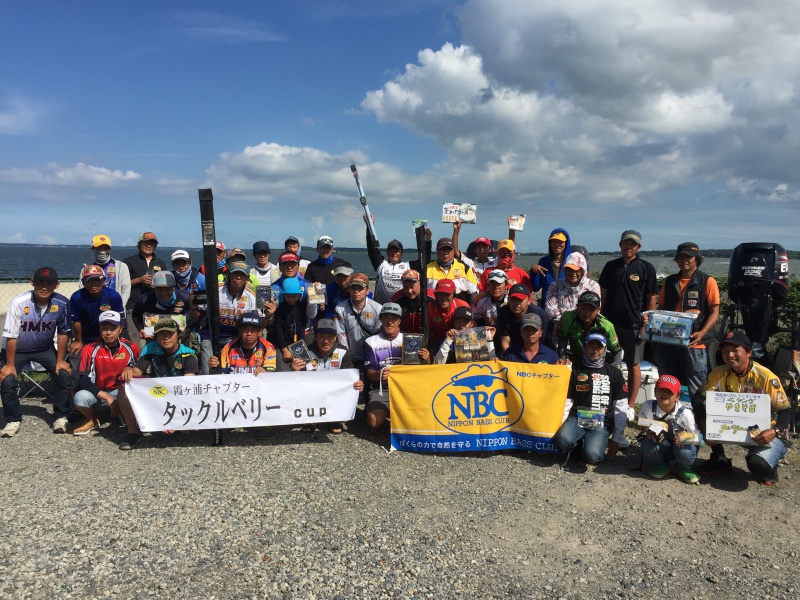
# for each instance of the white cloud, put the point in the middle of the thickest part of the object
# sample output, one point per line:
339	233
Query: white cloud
21	116
213	27
16	238
79	176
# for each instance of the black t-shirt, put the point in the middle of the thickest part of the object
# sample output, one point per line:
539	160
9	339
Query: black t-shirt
595	388
158	364
507	324
317	272
138	266
627	288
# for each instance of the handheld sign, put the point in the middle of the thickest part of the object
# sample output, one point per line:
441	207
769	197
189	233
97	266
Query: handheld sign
466	213
730	416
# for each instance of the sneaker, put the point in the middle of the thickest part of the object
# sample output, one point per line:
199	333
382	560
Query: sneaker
60	425
11	429
130	441
88	426
658	472
717	462
688	476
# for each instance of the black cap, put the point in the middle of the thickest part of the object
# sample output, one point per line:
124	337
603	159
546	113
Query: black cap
261	247
520	289
444	242
589	298
687	248
737	338
463	312
395	244
46	274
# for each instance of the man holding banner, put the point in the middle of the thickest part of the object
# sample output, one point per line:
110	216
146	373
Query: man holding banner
380	352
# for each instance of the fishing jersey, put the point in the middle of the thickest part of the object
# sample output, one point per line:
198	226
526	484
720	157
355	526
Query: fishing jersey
339	358
460	274
480	267
757	380
156	363
100	366
265	276
596	388
34	326
485	311
355	327
571	330
86	310
234	359
515	275
229	310
380	351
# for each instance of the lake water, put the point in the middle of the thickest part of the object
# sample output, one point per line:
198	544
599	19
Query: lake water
20	261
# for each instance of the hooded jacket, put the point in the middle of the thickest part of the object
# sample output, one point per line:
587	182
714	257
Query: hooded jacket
542	282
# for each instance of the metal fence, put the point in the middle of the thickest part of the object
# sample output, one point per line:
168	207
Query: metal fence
10	288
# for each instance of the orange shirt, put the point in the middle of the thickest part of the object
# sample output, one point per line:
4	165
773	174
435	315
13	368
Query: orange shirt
712	297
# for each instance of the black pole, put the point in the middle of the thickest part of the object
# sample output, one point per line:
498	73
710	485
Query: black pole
212	290
423	283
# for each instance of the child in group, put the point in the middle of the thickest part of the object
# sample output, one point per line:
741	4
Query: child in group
679	442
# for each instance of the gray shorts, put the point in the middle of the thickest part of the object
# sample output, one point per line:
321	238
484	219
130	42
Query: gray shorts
378	402
633	349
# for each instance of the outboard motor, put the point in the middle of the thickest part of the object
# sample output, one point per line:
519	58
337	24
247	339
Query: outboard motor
758	281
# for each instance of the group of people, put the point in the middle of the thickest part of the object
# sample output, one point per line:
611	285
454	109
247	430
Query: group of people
142	317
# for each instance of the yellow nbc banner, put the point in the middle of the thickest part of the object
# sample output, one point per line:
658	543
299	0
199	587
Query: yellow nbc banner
477	406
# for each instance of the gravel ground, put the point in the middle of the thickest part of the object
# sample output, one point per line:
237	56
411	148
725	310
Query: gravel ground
284	514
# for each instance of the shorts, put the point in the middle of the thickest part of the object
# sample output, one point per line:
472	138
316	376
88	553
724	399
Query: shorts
632	348
378	402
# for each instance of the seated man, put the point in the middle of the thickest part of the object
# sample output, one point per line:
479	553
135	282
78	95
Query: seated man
531	350
509	316
488	303
327	354
380	352
100	369
86	305
248	352
741	373
164	299
33	319
593	386
166	357
462	319
441	312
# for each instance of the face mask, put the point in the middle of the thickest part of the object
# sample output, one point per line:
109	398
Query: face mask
101	257
182	278
505	262
593	363
221	263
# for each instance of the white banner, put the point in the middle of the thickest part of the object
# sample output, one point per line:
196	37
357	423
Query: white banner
242	400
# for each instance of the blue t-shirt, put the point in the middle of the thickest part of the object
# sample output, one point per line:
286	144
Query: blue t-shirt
86	310
514	353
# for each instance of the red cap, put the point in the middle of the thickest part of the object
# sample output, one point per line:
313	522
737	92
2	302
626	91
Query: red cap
288	257
669	382
90	271
410	275
220	246
483	240
445	286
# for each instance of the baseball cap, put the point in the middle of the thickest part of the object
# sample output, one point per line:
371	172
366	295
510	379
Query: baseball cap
483	240
181	255
445	286
291	239
46	274
497	275
575	261
737	338
220	246
631	234
249	318
596	337
110	316
444	242
358	280
163	279
391	308
288	257
324	240
669	382
100	240
687	248
326	326
166	324
589	298
410	275
531	320
463	312
261	247
520	291
505	245
92	271
236	252
148	236
342	270
558	235
395	244
239	266
291	285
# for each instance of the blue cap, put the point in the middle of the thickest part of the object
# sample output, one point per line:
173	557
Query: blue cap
595	337
291	285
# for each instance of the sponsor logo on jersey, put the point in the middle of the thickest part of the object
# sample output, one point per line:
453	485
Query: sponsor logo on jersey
634	277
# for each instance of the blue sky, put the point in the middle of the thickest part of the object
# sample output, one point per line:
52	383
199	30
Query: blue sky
676	118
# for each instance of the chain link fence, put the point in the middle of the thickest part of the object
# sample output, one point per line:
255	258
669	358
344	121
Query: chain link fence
10	288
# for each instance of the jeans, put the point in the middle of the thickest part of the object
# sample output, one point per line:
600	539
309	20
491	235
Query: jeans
772	452
12	409
656	455
86	399
594	441
689	365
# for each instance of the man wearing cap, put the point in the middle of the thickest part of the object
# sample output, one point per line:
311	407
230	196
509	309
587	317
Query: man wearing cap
575	324
441	312
563	294
292	244
530	351
264	271
483	246
595	387
487	305
338	291
163	300
33	319
509	316
550	268
142	267
505	263
326	353
101	365
166	357
690	291
409	300
222	260
321	269
248	352
117	274
289	265
462	319
357	318
381	351
741	374
389	270
628	287
187	278
446	266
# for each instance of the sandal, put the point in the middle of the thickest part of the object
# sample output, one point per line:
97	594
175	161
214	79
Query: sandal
337	428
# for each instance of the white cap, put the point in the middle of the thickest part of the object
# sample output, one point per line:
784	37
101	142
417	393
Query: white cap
181	254
110	316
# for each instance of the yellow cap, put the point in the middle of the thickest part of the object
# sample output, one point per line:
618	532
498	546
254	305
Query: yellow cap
101	240
558	235
507	244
